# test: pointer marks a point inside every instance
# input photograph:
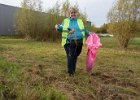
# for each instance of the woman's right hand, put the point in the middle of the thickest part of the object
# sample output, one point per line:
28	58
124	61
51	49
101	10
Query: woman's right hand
56	26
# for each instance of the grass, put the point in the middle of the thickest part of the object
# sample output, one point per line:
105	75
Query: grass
33	70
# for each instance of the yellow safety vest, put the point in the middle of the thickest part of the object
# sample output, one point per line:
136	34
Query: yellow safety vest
65	30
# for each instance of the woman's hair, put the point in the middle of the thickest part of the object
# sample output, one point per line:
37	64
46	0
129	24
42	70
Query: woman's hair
73	9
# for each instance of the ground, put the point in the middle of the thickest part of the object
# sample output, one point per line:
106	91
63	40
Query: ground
32	70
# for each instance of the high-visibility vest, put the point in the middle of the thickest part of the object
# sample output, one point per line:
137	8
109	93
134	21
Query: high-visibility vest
65	30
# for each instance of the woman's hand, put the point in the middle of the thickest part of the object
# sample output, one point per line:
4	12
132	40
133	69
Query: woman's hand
56	26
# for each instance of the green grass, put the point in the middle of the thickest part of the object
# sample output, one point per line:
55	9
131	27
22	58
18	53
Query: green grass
33	70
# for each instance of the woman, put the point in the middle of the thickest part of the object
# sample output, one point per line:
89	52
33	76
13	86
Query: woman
73	37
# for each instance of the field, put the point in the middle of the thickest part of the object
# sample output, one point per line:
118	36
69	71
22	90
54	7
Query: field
32	70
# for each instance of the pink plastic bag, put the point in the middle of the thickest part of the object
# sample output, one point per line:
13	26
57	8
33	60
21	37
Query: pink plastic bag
93	44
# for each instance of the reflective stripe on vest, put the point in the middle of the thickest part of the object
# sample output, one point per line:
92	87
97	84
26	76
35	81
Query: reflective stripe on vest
82	28
65	30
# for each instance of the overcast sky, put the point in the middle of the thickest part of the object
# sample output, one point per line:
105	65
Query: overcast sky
96	9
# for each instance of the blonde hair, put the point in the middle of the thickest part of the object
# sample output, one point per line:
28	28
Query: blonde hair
73	9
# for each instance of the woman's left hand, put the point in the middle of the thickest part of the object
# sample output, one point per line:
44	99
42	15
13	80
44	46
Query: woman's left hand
72	31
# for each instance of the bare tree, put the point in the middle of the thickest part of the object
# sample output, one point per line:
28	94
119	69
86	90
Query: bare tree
28	18
65	8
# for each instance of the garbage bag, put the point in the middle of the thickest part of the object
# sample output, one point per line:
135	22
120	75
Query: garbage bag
93	44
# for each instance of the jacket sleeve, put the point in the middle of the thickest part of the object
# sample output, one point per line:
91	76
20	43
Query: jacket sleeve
87	32
60	27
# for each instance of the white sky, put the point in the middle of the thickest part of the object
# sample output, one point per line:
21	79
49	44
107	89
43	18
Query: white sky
96	9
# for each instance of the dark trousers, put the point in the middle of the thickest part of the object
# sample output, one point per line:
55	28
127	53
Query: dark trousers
72	51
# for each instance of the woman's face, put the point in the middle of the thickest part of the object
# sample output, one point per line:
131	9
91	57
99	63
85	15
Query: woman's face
73	14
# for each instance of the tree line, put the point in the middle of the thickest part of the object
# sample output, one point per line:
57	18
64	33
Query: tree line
34	23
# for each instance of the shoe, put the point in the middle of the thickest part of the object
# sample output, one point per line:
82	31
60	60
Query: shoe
71	74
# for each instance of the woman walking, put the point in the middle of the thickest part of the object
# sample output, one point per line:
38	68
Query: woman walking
73	37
